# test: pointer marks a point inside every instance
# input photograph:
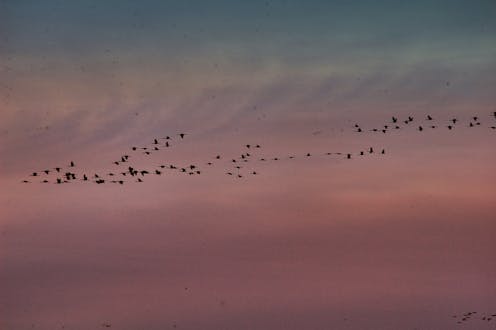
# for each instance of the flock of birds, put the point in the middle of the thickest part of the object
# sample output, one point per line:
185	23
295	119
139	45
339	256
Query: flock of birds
465	317
126	172
427	123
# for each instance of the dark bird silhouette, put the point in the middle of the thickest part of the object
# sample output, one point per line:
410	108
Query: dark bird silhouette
59	180
71	164
155	141
134	148
158	172
348	156
454	120
85	178
25	181
420	128
182	135
450	127
46	171
371	150
308	155
395	120
429	117
217	157
248	146
383	151
57	169
257	146
34	174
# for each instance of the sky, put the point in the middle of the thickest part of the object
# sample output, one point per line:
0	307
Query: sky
403	240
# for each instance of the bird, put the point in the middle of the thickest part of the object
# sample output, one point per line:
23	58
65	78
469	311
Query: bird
182	135
371	150
420	128
383	151
71	164
394	119
429	117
